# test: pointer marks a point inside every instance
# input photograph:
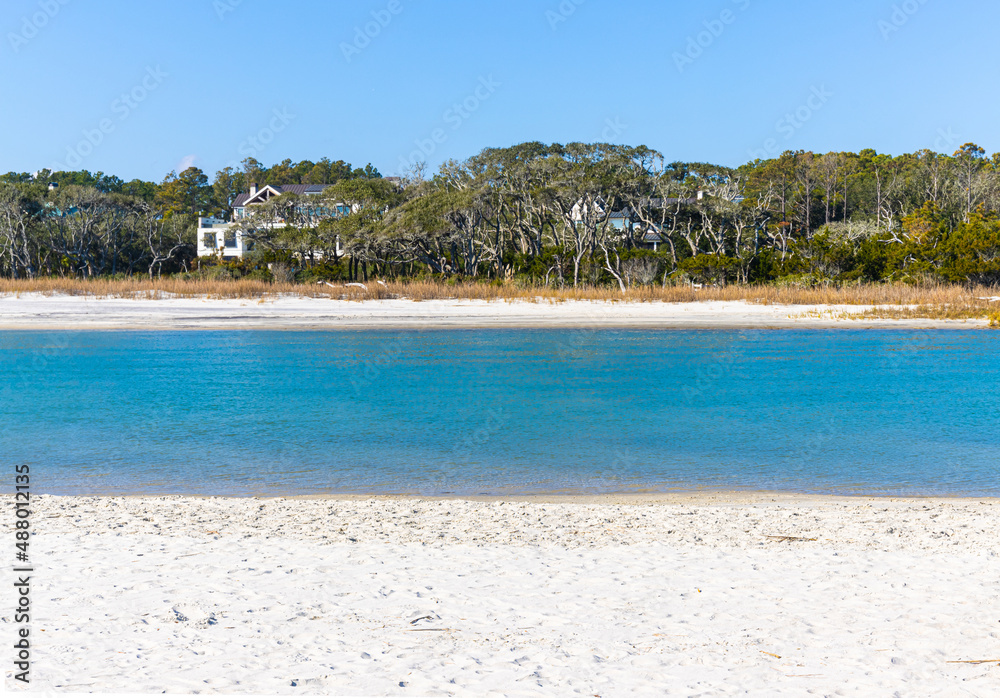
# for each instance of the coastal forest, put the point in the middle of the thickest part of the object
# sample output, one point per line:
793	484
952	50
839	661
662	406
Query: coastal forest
545	215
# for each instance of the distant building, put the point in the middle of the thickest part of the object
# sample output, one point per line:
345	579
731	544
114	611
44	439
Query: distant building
626	220
220	237
215	236
257	196
647	235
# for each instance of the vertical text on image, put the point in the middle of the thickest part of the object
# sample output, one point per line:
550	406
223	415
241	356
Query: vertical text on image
22	572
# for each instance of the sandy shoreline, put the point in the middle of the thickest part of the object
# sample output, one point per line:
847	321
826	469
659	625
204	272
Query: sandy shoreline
716	594
692	497
62	312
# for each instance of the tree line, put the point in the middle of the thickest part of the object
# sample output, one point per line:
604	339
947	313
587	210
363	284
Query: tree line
543	213
86	224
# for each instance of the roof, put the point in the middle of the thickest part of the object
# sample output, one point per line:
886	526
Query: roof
656	202
300	189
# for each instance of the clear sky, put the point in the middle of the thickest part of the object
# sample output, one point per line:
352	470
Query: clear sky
140	88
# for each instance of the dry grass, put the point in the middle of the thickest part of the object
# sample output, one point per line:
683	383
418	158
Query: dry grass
873	294
141	287
893	300
972	310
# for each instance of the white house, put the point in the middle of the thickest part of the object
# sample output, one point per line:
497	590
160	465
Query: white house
220	237
215	236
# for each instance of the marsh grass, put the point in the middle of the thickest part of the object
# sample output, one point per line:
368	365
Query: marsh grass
880	300
143	288
971	310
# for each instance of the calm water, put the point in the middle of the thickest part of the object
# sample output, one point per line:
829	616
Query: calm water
502	411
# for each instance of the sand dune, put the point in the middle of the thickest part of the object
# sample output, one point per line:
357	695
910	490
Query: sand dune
665	595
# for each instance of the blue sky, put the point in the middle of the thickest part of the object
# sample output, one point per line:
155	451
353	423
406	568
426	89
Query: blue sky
140	88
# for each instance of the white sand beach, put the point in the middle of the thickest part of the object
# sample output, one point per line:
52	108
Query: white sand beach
54	312
687	595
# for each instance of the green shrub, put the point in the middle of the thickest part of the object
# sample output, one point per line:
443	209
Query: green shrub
260	275
218	273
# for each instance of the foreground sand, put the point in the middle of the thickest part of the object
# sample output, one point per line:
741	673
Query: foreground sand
38	311
663	595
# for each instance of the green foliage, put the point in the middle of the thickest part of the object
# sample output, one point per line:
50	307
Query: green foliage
260	275
537	213
325	171
188	192
253	266
872	261
826	256
709	268
327	271
971	253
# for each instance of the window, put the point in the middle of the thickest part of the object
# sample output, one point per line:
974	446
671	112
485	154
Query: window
209	240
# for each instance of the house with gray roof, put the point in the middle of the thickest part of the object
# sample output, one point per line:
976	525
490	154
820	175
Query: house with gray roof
222	237
264	194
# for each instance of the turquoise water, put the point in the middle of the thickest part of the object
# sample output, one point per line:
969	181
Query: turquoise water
506	411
